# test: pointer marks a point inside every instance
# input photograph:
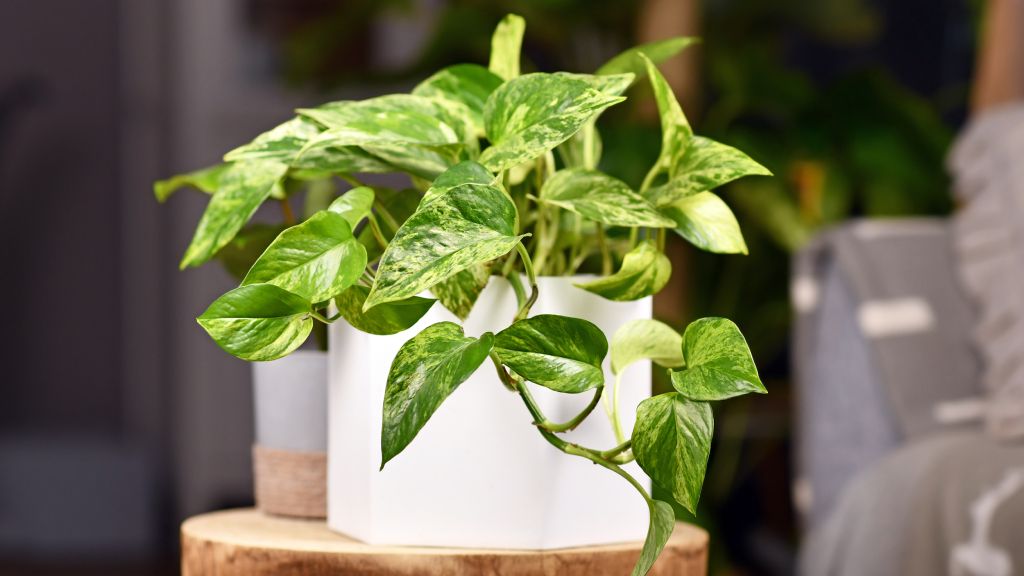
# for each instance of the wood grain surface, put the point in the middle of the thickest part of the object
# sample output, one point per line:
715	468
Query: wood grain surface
247	542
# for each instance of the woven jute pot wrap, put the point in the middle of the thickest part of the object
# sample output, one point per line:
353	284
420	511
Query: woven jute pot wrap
289	483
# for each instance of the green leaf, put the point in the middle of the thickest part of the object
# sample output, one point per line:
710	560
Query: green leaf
241	253
426	370
323	156
718	362
601	198
612	85
417	134
646	339
465	84
532	114
707	223
671	442
205	180
467	225
506	43
316	259
459	293
557	352
675	129
704	165
662	522
258	322
282	143
462	173
242	188
354	205
645	271
657	52
390	318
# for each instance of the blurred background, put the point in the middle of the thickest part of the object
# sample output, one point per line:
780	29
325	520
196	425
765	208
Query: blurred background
119	418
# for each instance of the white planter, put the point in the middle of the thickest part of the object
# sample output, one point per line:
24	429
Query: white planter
290	453
479	474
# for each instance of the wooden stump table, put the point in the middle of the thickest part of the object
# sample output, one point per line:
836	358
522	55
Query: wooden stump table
248	543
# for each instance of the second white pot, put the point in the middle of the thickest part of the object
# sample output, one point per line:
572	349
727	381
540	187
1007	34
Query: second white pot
479	474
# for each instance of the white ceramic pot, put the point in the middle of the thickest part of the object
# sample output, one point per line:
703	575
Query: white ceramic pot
479	474
290	453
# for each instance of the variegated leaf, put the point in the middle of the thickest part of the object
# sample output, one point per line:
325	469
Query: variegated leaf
282	143
426	370
459	293
466	84
557	352
205	180
704	165
671	442
390	318
316	259
258	322
532	114
657	51
718	362
241	190
506	44
675	129
707	223
417	134
462	173
646	339
612	84
467	225
354	205
659	530
645	271
601	198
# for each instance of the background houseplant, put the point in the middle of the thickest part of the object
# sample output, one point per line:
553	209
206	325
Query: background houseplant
507	209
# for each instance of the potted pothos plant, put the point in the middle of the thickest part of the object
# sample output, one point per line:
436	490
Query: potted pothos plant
535	255
289	394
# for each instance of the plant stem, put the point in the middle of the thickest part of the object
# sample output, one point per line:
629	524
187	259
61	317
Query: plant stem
318	316
385	215
649	178
524	310
576	420
517	286
634	236
618	449
616	423
661	239
351	179
286	211
375	229
606	256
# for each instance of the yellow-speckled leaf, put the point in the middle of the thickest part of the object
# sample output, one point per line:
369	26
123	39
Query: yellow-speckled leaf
506	44
466	84
557	352
601	198
646	339
258	322
718	362
205	180
645	271
662	523
707	223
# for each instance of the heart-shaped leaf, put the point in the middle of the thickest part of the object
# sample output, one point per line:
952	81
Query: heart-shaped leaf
657	52
704	165
707	223
506	43
316	259
662	522
671	442
241	190
205	180
462	173
258	322
532	114
282	143
612	84
390	318
418	134
426	370
467	225
646	339
718	362
645	271
601	198
466	84
459	293
557	352
675	129
354	205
